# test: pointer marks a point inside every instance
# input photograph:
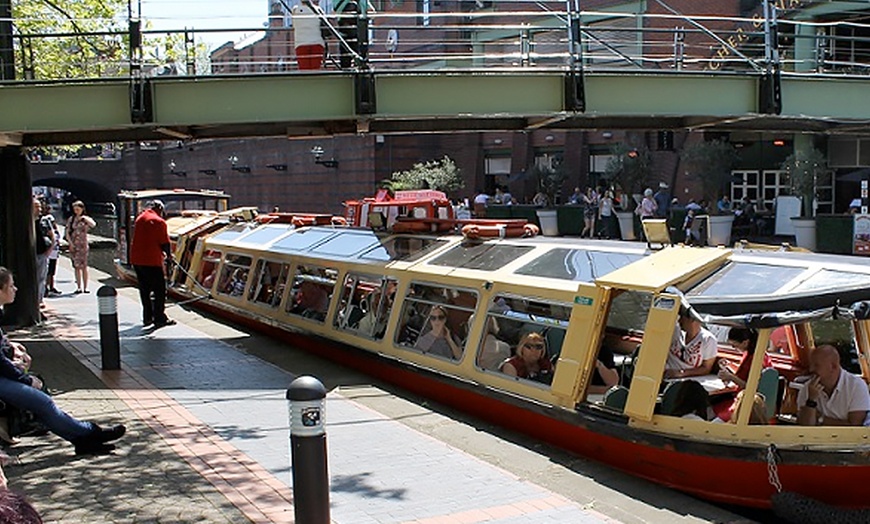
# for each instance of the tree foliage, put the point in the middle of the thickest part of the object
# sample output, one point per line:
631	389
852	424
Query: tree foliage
89	39
549	180
630	167
441	175
804	168
711	162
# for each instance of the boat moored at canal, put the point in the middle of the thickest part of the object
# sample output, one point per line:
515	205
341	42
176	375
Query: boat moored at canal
440	314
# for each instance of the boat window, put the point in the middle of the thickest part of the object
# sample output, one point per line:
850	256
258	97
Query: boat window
482	256
576	264
302	240
208	268
311	291
346	244
269	281
629	310
743	279
436	319
408	249
233	232
365	306
265	234
516	321
838	333
234	275
827	279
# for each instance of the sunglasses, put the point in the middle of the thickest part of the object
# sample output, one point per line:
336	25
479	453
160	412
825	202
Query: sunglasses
535	346
438	317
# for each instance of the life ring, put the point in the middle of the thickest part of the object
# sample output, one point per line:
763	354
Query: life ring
531	230
474	231
338	221
302	221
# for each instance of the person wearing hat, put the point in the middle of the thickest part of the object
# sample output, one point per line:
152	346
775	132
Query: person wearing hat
148	252
663	200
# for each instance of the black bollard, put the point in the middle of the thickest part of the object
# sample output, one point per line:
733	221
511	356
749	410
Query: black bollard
308	451
110	346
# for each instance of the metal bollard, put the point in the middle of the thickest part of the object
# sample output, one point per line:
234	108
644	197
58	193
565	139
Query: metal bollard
110	346
308	451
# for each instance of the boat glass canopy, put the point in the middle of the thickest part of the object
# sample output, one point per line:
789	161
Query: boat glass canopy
264	235
746	279
302	240
405	248
576	264
826	279
346	244
481	256
232	232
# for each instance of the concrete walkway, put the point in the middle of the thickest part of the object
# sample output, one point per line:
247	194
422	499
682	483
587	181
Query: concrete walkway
208	437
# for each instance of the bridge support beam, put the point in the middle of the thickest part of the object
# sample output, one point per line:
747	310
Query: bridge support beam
17	247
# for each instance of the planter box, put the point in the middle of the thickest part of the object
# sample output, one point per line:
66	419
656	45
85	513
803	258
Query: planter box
626	224
719	230
549	222
805	232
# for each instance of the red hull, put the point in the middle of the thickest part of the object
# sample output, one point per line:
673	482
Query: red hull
712	475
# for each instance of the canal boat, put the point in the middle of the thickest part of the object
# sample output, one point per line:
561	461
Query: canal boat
374	299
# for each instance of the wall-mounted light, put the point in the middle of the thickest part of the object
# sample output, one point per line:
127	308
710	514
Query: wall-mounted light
606	134
210	172
277	167
498	141
779	142
317	151
234	161
549	138
175	172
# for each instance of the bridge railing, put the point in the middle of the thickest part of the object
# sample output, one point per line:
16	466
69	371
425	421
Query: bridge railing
470	35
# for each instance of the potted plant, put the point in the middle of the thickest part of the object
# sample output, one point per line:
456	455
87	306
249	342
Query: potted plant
548	181
629	170
804	167
711	162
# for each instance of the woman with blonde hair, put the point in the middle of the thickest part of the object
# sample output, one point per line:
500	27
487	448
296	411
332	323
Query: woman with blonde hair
77	228
531	360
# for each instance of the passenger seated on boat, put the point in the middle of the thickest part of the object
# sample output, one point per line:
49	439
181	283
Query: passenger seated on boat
531	360
312	300
745	340
686	399
208	281
438	340
236	285
833	397
693	348
493	351
758	415
605	375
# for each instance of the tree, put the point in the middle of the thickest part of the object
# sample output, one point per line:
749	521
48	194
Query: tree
804	167
548	180
711	162
83	54
441	175
629	168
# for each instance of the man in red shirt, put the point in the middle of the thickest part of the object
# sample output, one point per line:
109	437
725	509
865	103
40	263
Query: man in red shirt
148	252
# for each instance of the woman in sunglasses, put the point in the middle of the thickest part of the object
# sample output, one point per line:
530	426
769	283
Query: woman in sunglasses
439	340
531	360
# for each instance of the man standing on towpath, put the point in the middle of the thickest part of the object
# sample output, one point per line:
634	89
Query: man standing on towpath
149	251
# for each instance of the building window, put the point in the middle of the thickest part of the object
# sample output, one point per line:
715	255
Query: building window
497	165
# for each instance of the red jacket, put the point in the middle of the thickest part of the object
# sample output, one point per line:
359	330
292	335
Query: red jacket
149	238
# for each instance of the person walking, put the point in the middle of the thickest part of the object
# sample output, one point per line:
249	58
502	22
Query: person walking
24	391
44	237
77	228
148	253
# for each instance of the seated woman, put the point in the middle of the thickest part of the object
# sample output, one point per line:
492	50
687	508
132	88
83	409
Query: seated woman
745	340
605	375
439	340
24	392
758	415
531	360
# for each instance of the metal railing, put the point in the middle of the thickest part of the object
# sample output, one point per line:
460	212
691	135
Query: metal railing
468	35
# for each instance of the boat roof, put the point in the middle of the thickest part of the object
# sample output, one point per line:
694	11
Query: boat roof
172	192
717	282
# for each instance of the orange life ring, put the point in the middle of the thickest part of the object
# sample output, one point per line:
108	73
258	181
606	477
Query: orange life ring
338	221
531	230
301	221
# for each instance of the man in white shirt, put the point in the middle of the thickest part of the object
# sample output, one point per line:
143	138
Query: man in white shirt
833	397
693	352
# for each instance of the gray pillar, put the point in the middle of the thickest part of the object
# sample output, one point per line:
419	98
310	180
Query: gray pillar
17	247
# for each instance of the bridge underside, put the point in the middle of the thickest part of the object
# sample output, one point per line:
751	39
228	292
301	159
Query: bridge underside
329	103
